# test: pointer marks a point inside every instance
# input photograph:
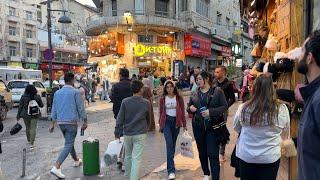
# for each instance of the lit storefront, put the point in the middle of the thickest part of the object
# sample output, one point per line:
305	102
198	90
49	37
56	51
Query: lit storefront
141	54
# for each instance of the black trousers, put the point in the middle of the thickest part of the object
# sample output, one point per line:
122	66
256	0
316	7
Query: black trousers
208	150
253	171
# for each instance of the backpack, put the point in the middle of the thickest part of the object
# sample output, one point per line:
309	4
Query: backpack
33	108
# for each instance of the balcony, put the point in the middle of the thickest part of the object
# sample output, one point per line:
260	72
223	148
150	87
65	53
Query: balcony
32	22
31	41
161	20
15	38
13	18
15	58
31	60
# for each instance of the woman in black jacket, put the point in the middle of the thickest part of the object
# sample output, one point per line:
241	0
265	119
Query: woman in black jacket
29	120
208	104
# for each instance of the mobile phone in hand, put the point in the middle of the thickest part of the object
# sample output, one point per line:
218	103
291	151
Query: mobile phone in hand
82	132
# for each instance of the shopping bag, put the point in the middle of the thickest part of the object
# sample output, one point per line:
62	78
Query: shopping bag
113	151
186	145
15	129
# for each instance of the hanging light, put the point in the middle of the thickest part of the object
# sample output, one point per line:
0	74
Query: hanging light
253	2
130	29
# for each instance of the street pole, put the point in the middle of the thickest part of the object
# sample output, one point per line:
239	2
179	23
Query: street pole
49	38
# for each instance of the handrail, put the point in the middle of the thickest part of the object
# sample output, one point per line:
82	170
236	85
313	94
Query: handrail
120	13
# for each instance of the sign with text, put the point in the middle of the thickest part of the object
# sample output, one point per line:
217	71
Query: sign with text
198	46
152	50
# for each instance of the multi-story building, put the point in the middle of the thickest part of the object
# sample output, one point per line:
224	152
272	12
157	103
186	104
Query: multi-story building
198	32
18	34
68	40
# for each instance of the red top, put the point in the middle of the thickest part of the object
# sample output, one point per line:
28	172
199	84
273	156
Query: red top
180	117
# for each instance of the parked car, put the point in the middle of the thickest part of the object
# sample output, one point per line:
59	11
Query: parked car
17	88
5	100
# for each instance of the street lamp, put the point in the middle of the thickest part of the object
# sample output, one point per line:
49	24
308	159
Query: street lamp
63	19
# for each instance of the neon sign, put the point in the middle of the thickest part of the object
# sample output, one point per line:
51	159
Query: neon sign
142	50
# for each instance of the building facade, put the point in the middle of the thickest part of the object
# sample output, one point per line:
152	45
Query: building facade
18	34
68	40
144	36
199	33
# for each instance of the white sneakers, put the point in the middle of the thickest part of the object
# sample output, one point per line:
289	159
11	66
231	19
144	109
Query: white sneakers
78	163
205	177
172	176
57	173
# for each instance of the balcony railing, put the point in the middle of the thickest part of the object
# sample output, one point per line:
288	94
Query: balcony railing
120	13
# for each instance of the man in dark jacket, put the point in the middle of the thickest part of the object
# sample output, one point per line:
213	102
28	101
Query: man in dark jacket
309	125
227	87
120	91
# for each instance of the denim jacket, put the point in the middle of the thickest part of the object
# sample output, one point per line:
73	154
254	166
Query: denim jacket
68	106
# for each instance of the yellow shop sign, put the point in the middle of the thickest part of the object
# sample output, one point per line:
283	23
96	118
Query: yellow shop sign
142	50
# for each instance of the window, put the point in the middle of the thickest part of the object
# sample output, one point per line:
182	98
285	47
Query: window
114	7
235	26
145	39
29	15
183	5
202	7
162	7
12	11
12	30
29	52
139	7
29	33
228	23
12	50
219	17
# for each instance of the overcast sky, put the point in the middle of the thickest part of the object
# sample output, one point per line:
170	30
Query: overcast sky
88	2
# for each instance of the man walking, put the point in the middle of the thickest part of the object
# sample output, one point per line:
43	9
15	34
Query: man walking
133	121
221	81
309	125
67	111
120	90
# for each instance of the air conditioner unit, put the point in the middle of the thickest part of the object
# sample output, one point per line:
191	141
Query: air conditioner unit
213	32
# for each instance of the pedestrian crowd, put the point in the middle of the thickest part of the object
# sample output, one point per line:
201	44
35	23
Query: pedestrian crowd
261	120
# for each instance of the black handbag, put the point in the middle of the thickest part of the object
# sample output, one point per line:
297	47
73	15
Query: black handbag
219	128
15	129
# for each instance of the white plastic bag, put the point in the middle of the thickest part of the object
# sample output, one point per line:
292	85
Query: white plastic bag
113	151
186	145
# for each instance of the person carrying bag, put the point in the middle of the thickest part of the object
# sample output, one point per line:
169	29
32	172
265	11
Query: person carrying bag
29	109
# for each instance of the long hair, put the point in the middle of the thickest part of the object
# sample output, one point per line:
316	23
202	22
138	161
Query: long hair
262	108
175	90
30	90
206	77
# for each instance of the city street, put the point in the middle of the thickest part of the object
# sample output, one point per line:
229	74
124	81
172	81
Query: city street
101	126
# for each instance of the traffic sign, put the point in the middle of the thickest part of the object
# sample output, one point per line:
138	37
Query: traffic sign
48	54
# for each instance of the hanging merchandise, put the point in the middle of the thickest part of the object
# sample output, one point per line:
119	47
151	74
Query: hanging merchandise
256	51
271	43
279	55
295	53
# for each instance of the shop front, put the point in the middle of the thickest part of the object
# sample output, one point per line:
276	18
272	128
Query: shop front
197	49
34	66
221	55
141	54
153	58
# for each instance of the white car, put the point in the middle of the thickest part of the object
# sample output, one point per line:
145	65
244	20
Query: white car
17	88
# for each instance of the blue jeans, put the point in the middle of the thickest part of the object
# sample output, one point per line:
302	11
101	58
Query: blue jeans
170	132
69	132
